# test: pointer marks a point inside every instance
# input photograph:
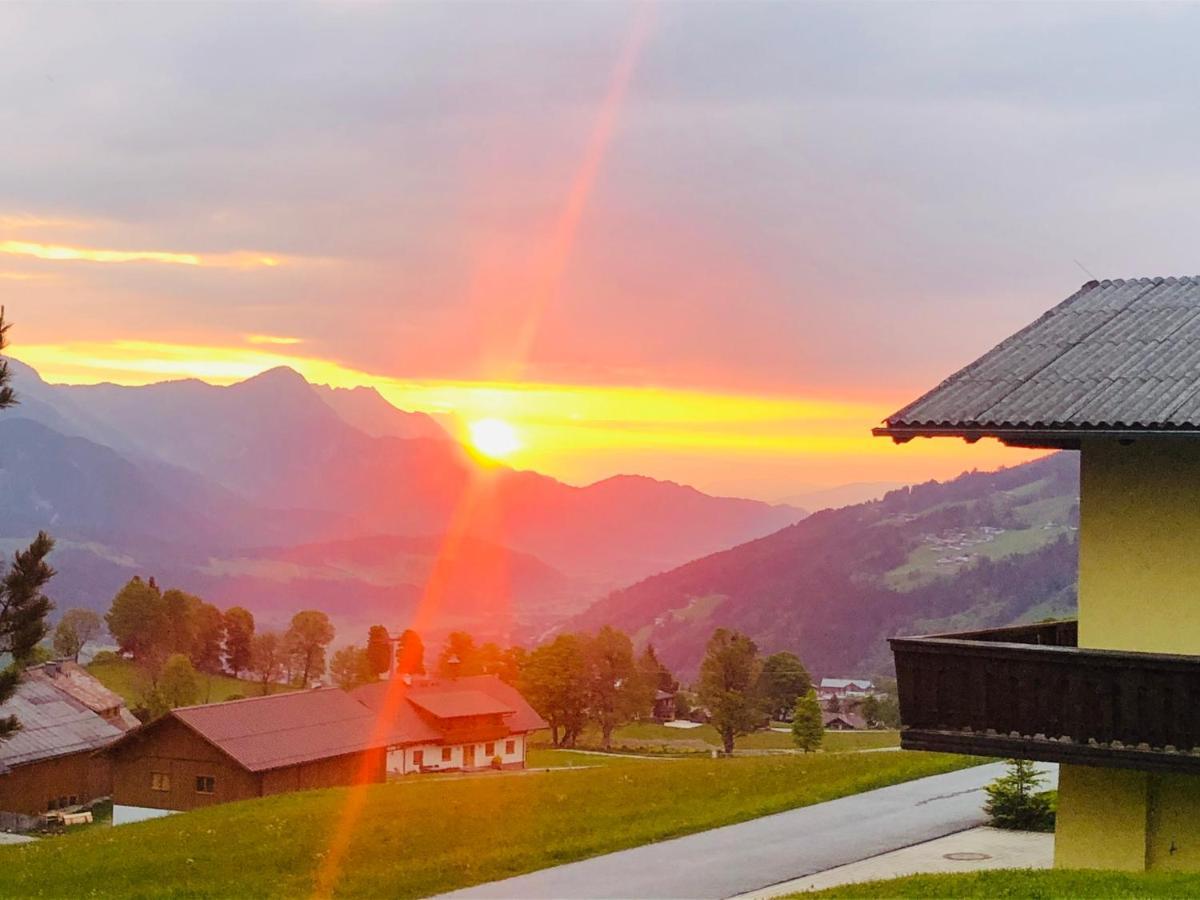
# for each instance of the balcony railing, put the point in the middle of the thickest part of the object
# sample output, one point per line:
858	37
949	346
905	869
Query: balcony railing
1030	692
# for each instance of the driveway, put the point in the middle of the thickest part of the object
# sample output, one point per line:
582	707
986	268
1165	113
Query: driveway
738	859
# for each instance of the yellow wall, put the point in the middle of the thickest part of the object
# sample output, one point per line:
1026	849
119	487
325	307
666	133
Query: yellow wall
1139	589
1139	546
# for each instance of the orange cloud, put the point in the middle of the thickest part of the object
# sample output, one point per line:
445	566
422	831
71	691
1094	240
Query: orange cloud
272	339
60	252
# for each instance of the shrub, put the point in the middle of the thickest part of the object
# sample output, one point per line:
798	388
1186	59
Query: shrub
1014	801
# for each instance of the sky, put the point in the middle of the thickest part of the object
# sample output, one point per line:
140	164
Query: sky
709	242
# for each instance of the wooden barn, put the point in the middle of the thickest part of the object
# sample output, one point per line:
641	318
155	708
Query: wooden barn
201	755
65	716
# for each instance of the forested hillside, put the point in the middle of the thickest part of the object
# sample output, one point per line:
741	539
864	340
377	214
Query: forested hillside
988	548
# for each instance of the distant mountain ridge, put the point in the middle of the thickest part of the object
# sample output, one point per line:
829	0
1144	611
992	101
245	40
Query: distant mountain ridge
184	478
981	550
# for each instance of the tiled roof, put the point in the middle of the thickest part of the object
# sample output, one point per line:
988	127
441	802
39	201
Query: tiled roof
284	729
456	704
863	683
53	723
1116	355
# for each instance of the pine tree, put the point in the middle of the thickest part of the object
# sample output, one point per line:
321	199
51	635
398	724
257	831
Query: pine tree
23	606
807	730
1014	801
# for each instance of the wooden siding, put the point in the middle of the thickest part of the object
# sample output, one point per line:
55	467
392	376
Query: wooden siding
171	748
30	788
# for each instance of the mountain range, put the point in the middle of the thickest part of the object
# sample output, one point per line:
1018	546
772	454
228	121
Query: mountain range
986	549
279	495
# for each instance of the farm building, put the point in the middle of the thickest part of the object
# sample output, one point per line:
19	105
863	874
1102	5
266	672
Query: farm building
65	716
843	721
201	755
459	723
325	737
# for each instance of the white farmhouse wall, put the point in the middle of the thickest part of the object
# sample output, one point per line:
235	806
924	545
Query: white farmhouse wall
403	760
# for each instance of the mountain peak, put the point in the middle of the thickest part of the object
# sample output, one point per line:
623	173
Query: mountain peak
280	376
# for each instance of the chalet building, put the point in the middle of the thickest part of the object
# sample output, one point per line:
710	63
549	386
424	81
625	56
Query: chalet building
463	724
664	706
50	763
843	721
1113	372
324	737
844	687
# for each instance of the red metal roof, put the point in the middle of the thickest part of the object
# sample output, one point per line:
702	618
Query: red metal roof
448	699
284	729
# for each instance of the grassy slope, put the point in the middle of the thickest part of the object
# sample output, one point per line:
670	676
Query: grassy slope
420	837
123	677
1023	884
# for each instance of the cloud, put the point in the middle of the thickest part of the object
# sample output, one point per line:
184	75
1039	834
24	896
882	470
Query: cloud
60	253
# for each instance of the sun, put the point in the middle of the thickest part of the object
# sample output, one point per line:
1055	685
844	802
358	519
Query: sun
494	437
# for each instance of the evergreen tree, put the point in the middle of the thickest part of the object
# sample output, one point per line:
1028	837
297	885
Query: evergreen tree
728	682
239	633
1014	800
807	730
379	650
23	606
410	653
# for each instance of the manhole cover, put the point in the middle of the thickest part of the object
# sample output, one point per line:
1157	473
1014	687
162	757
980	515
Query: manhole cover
966	857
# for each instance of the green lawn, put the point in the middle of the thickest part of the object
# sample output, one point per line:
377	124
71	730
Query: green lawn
650	737
545	757
1024	884
126	679
419	838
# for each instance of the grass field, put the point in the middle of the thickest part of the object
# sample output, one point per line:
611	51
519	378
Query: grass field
650	737
1024	884
126	679
546	758
419	838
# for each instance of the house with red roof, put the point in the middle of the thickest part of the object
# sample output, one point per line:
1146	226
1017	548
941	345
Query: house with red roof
219	752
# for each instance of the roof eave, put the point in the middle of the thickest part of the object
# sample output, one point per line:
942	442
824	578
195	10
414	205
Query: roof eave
1038	438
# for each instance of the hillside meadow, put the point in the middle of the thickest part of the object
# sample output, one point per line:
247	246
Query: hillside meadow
421	837
650	737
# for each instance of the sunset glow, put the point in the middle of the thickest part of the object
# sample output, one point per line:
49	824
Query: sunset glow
60	253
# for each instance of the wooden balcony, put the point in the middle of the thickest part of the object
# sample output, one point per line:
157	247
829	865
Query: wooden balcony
1030	692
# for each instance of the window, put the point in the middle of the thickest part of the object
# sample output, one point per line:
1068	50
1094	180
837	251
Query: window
489	749
51	804
445	754
205	784
160	781
418	757
510	747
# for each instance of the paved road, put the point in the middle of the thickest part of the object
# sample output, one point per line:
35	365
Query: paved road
740	858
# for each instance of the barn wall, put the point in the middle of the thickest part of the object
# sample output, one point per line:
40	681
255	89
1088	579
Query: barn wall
29	788
332	772
171	748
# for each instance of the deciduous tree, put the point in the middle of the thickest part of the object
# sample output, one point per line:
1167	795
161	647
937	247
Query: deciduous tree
784	680
351	667
239	632
137	619
208	636
614	692
807	728
75	629
459	656
307	637
555	683
267	658
177	686
728	679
